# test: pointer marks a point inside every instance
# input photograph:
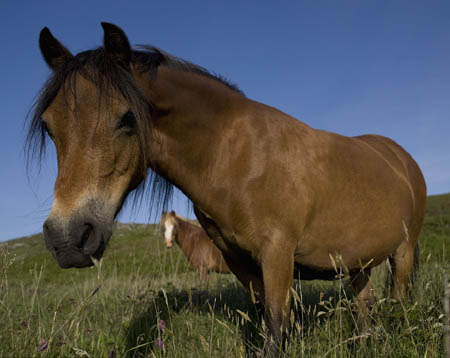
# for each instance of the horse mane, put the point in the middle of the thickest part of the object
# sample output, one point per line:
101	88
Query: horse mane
99	67
148	56
187	220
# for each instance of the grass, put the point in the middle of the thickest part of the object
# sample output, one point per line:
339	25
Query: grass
145	301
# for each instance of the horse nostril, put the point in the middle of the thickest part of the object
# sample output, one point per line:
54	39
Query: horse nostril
86	234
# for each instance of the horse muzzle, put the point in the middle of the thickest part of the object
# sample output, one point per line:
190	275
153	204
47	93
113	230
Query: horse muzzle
74	241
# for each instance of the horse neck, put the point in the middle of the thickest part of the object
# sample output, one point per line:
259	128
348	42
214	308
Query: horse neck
191	111
186	236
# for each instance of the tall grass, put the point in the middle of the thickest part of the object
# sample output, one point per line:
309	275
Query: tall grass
144	301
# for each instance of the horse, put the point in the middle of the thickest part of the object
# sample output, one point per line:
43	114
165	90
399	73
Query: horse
195	244
279	198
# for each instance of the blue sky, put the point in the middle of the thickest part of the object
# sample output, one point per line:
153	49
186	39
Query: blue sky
351	67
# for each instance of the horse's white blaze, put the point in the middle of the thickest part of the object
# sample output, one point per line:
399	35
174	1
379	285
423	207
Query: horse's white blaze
168	233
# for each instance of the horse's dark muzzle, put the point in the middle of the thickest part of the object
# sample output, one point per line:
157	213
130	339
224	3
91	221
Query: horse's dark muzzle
73	242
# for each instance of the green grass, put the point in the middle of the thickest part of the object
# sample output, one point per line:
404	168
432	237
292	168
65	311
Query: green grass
116	311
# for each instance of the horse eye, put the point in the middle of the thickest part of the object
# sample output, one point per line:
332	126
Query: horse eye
128	121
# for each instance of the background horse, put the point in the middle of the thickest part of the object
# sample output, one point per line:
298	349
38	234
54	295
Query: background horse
278	198
195	244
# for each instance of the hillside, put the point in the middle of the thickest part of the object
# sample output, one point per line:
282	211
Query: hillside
46	311
140	239
435	236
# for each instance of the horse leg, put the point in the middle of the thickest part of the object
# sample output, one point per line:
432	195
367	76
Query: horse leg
241	266
403	262
365	296
203	272
251	280
278	275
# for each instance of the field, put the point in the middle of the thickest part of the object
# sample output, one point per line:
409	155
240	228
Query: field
145	301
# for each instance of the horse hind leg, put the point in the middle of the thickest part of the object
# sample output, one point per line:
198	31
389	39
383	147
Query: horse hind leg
404	265
365	296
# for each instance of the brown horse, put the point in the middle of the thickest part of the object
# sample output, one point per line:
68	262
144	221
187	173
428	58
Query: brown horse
278	198
195	244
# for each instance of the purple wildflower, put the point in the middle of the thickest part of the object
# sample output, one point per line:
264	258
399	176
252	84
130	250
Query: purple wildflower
159	343
162	325
42	346
112	353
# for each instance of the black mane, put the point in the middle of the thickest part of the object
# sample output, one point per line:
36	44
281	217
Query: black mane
151	56
100	68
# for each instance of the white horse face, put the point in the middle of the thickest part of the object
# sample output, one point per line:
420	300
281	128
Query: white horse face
168	228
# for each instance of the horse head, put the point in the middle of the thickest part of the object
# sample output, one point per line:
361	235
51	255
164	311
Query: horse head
95	115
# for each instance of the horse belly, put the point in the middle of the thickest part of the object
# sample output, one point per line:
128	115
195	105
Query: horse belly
356	234
361	216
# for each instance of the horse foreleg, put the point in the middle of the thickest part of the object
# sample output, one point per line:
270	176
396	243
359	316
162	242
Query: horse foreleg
251	280
203	273
278	273
242	266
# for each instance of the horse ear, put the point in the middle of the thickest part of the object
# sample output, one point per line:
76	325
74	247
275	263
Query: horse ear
116	43
172	213
54	53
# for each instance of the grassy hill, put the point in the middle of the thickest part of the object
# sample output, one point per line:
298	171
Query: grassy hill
145	301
